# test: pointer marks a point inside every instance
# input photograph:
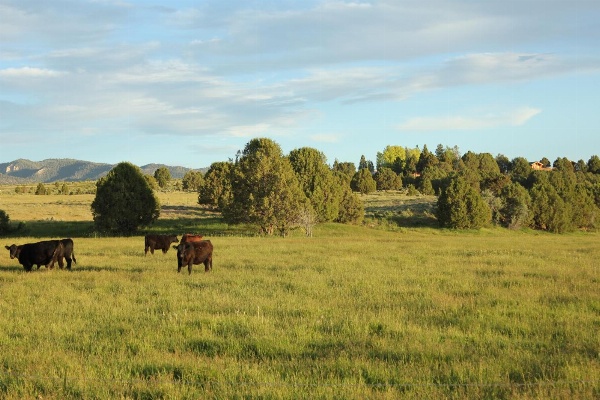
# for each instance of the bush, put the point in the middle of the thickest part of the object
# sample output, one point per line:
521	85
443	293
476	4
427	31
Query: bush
124	201
4	223
460	206
363	182
515	212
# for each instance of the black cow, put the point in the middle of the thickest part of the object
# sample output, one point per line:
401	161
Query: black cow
64	247
194	253
40	253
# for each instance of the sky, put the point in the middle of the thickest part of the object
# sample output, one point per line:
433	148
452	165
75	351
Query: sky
188	83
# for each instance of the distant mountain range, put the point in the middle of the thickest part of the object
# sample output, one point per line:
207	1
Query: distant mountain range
23	171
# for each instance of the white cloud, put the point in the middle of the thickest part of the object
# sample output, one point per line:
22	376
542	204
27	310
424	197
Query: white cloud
28	72
516	117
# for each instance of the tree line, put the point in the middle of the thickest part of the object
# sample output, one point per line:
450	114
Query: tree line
278	192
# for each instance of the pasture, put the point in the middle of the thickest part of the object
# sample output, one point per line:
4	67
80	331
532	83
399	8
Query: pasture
375	311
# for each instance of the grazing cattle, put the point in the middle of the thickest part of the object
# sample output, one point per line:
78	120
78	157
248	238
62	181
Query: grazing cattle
188	238
40	253
68	253
194	253
45	253
158	242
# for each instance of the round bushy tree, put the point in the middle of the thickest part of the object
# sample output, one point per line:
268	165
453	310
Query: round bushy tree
549	210
460	206
215	189
317	181
265	189
363	182
352	210
162	176
387	179
124	201
192	180
515	212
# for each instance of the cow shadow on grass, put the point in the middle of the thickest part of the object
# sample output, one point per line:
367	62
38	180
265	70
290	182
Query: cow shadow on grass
11	268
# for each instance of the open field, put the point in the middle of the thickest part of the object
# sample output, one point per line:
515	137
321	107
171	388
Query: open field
354	312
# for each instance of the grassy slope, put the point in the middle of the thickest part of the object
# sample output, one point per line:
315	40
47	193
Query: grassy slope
354	312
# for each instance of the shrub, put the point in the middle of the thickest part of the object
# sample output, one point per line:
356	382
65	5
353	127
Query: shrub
124	201
460	206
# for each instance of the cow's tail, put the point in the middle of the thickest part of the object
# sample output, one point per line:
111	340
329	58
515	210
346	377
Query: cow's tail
73	257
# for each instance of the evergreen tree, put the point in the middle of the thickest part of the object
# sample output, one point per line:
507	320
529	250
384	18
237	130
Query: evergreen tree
460	206
363	182
317	181
124	201
426	160
151	182
4	223
192	180
593	164
584	209
503	163
520	170
345	169
215	189
549	210
352	210
515	212
265	189
387	179
41	189
425	186
162	176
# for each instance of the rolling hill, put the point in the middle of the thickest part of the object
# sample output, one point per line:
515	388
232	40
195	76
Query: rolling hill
67	170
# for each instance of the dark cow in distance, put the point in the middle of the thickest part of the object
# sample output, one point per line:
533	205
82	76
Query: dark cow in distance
194	253
46	253
190	237
40	253
158	242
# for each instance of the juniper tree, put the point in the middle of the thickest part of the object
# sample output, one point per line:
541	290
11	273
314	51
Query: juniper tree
265	189
124	201
461	206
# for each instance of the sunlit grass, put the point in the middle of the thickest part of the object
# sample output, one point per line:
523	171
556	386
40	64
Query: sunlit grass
351	313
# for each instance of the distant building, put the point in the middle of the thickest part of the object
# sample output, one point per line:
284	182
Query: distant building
538	166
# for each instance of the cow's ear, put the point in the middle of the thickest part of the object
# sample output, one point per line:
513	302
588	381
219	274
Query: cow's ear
175	247
7	247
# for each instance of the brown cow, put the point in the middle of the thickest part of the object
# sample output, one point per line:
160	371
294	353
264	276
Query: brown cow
194	253
189	237
158	242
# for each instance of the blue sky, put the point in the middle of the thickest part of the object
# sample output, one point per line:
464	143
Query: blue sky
191	82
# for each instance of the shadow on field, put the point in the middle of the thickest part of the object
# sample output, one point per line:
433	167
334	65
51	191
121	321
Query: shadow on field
50	228
184	212
11	268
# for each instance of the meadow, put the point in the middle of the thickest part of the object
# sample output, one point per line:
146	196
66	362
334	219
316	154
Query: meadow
394	308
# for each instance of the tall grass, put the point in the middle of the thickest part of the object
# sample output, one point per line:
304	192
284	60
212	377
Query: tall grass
351	313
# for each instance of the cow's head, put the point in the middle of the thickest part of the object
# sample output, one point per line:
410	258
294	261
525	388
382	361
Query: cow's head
14	250
173	239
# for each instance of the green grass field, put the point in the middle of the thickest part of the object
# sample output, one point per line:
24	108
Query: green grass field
378	311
